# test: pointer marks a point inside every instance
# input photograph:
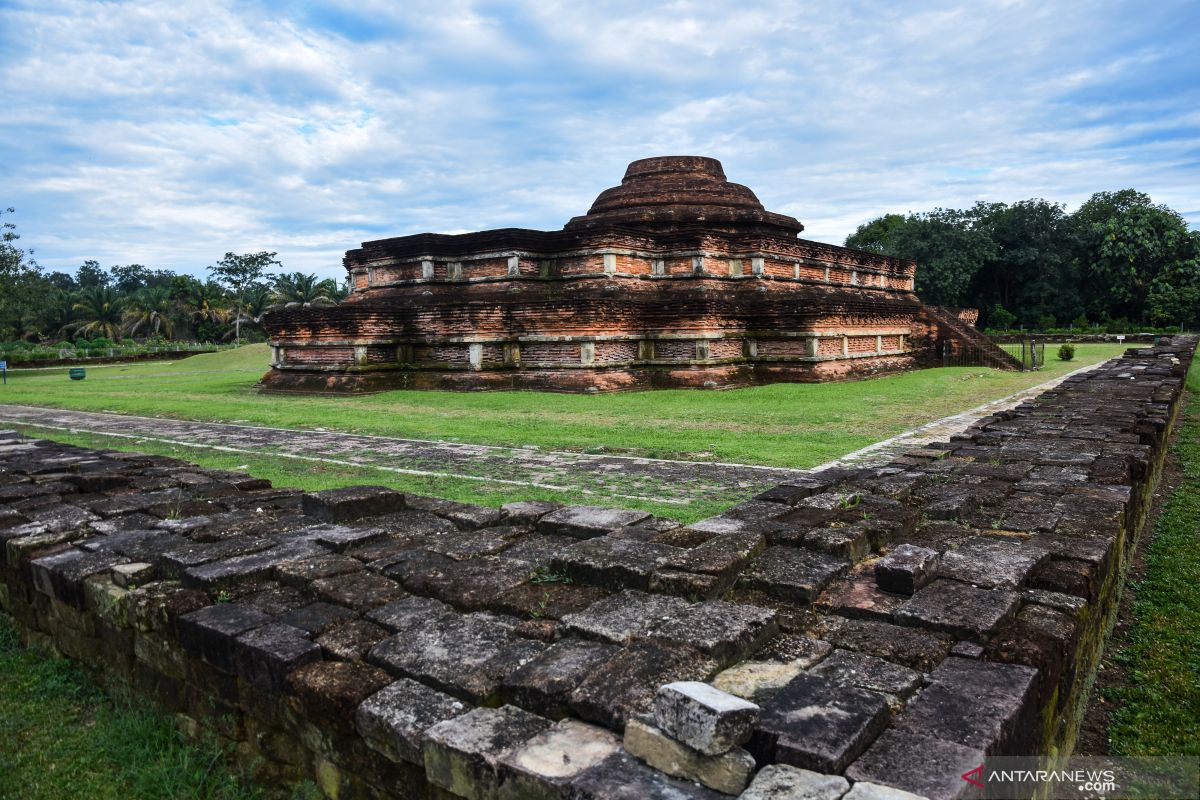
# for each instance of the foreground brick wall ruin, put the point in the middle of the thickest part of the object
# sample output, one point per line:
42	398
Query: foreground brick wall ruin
675	278
385	644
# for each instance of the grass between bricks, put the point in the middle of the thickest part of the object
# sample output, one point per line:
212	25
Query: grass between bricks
1159	709
61	736
782	425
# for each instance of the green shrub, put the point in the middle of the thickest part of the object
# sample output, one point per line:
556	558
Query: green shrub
127	342
1066	352
101	343
1046	322
1080	322
65	345
1001	317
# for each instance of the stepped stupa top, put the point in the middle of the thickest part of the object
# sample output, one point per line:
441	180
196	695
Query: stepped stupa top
668	193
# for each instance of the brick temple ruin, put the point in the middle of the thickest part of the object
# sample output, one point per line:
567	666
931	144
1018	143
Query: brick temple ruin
860	634
676	278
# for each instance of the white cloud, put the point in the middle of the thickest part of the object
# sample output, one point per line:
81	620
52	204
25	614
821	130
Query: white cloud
168	133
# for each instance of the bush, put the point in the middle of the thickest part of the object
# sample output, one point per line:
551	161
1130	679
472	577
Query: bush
1120	325
1066	352
1046	322
1001	317
1080	322
101	343
64	345
127	342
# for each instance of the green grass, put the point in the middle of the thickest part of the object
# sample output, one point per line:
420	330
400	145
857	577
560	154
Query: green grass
314	476
786	425
61	737
1159	710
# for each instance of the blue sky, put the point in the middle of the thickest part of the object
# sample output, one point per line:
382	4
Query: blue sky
166	133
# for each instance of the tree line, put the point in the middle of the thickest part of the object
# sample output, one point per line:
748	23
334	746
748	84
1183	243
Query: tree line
1119	260
134	301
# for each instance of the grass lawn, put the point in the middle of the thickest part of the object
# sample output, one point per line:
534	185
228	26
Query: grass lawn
60	737
786	425
1159	710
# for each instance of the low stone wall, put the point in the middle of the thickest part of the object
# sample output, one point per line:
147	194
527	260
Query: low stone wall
887	627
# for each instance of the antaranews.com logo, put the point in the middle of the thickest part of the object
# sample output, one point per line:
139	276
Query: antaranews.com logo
1112	778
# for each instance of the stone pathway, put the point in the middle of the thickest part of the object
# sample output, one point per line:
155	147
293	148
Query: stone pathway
940	430
602	478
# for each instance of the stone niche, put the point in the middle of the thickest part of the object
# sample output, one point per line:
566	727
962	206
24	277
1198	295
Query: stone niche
674	278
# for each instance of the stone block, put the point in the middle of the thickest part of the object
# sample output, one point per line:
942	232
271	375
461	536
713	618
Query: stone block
543	767
702	717
923	765
794	648
315	618
473	584
852	541
958	608
131	576
61	576
462	754
584	522
300	573
912	647
210	633
855	595
620	617
328	692
544	684
783	782
728	772
726	632
817	724
266	654
875	791
484	542
868	672
756	680
464	516
991	562
611	563
394	719
247	567
693	586
792	573
351	640
351	503
906	568
527	512
723	554
979	704
463	655
340	537
271	598
623	777
360	591
627	683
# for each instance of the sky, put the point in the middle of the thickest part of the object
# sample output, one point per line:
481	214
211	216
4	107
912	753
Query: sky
168	133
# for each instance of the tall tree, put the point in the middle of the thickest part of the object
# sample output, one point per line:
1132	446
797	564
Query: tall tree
99	310
151	310
20	276
91	275
307	290
239	272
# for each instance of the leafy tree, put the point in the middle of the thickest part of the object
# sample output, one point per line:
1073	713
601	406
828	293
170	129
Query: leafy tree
150	311
946	243
1130	248
99	311
239	272
875	235
306	290
19	279
205	307
129	278
91	275
1001	318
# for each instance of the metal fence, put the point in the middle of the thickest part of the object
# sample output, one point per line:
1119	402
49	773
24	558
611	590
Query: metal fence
1032	355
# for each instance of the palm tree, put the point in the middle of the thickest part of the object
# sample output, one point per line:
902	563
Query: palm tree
99	311
57	316
305	290
150	309
205	302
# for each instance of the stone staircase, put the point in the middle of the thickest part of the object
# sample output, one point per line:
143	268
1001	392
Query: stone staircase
969	341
